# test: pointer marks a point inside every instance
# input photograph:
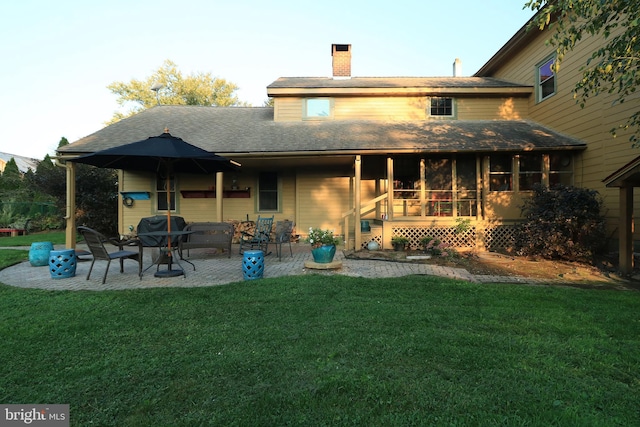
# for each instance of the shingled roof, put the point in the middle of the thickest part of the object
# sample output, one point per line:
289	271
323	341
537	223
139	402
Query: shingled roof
241	131
472	83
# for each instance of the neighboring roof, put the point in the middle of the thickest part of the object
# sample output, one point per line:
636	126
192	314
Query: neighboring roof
245	132
23	163
628	175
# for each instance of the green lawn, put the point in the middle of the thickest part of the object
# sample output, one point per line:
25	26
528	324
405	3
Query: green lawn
326	350
55	237
13	256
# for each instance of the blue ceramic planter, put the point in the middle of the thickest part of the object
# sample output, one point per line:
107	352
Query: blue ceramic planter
39	253
253	265
324	254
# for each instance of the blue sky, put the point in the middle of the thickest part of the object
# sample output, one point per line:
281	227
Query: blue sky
59	56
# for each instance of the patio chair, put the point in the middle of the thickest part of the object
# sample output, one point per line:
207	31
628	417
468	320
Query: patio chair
95	241
284	229
259	238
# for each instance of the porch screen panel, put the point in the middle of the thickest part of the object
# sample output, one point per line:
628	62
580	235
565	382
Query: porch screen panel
500	172
561	169
466	191
406	186
439	186
530	171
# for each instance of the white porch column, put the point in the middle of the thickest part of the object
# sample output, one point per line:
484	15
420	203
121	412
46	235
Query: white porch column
626	229
219	195
357	201
70	231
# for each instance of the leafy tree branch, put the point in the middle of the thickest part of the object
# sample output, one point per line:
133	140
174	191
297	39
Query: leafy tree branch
612	68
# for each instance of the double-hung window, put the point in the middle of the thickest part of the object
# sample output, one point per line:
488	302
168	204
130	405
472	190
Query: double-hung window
268	192
545	79
441	107
162	190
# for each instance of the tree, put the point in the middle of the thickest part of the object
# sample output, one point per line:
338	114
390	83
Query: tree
167	86
11	179
613	68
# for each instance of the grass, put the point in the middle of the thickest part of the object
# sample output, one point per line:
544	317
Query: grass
13	256
56	237
326	350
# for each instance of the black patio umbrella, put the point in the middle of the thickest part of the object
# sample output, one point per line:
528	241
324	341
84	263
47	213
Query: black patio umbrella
160	154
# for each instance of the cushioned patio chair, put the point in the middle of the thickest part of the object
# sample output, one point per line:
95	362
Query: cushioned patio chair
95	241
259	238
284	230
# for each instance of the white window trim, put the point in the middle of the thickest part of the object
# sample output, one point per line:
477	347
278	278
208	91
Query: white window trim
454	110
307	117
278	195
538	83
156	192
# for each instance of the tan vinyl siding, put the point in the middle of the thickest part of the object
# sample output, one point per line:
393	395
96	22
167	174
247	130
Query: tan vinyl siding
322	199
380	108
491	108
141	208
409	108
592	124
287	109
204	209
504	205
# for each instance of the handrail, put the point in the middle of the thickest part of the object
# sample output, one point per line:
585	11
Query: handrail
364	205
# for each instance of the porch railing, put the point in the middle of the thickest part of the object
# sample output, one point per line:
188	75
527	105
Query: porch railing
365	208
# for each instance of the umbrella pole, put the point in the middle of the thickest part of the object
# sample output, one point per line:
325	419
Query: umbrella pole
168	185
169	272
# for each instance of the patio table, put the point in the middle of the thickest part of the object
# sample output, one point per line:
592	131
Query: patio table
170	255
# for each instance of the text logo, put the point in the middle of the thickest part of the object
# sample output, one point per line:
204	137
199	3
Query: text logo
34	415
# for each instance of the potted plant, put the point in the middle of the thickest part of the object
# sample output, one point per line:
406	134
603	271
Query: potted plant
399	242
323	244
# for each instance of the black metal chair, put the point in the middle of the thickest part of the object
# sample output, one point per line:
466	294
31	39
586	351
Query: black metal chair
284	230
259	238
95	241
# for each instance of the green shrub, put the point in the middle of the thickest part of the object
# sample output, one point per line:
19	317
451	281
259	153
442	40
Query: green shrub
562	223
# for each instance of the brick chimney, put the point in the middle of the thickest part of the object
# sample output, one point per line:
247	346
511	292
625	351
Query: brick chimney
341	54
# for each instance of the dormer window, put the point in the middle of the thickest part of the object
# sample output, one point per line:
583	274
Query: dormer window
317	108
441	107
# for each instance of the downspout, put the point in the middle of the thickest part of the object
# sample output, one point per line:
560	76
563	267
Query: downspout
357	202
70	216
219	195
